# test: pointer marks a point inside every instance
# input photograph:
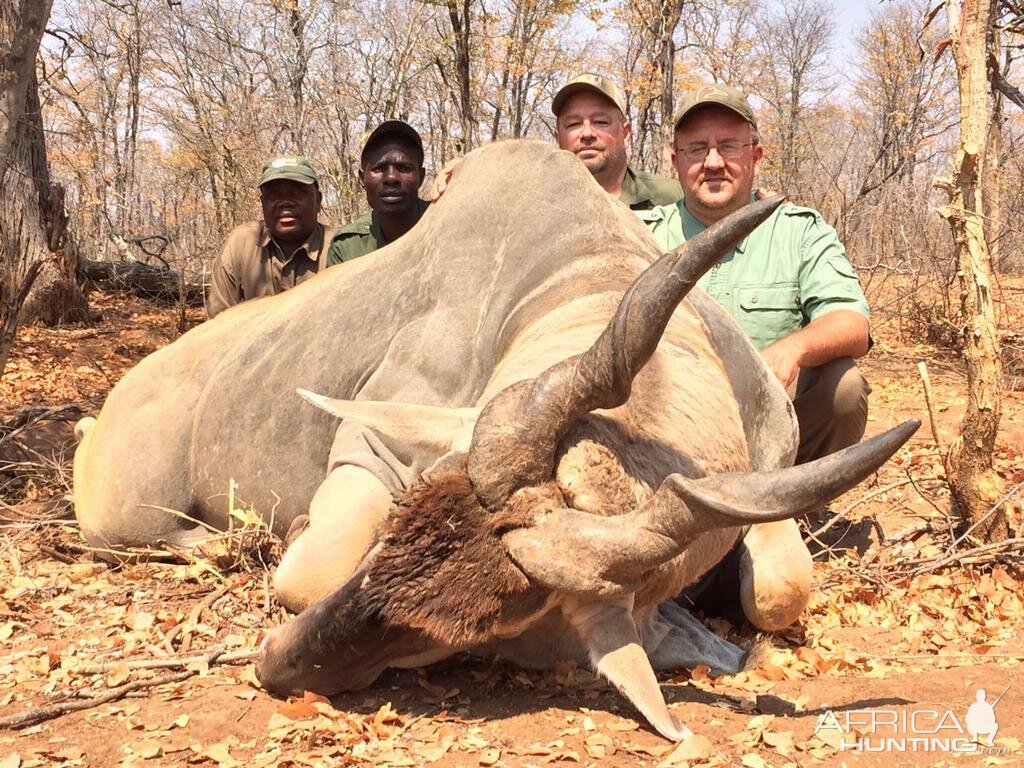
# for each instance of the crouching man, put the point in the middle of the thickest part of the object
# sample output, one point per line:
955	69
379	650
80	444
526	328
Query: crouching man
791	288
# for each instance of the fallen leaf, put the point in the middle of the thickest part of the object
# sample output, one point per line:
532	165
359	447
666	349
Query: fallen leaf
220	754
297	710
693	749
118	674
147	750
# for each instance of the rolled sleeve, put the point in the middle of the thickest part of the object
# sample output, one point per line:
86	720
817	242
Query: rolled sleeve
827	279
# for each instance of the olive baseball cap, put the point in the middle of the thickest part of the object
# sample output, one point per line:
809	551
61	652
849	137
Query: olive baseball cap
290	167
588	81
398	127
722	95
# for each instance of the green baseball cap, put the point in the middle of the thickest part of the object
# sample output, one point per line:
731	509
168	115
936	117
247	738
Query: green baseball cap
722	95
395	127
589	81
290	167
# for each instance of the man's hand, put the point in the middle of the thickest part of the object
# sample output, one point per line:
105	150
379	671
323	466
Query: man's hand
840	333
784	357
440	182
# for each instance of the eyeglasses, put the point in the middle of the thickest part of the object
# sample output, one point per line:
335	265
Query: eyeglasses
728	150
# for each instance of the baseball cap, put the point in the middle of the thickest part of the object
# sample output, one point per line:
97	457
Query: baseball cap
399	127
723	95
589	81
290	167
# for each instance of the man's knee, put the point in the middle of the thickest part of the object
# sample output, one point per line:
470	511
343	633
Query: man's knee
849	389
832	408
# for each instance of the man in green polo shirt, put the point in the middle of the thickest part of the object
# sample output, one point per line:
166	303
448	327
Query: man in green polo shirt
391	172
290	245
590	115
789	284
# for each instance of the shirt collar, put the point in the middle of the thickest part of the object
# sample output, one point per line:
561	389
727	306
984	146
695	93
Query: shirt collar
311	248
378	234
634	191
692	227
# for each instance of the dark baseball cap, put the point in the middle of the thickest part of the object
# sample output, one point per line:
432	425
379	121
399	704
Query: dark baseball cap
290	167
395	127
723	95
589	81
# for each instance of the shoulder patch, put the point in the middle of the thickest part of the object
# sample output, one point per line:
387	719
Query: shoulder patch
788	209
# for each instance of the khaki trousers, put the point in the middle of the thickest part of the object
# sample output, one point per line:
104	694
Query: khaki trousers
831	404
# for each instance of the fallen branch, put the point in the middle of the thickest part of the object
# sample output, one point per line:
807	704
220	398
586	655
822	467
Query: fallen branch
229	657
145	280
53	711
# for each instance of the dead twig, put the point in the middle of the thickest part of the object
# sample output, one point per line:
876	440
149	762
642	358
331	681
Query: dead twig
227	657
185	628
865	498
53	711
934	564
926	382
61	708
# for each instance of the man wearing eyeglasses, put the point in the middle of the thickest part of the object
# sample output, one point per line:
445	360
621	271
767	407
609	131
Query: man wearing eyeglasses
789	284
793	291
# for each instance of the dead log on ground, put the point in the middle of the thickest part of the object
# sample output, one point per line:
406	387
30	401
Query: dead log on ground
149	282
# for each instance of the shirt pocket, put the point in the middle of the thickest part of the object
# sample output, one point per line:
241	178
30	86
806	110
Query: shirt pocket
769	312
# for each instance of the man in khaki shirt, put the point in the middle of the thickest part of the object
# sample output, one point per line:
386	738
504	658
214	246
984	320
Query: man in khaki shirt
263	258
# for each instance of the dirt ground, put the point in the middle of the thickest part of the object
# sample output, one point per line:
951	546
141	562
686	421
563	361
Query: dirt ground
902	629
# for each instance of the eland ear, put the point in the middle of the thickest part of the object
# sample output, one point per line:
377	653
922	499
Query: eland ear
417	434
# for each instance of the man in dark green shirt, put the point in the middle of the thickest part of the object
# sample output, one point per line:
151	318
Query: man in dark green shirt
391	172
591	122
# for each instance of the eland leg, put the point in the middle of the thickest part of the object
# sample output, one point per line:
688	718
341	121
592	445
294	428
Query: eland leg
345	517
345	514
766	579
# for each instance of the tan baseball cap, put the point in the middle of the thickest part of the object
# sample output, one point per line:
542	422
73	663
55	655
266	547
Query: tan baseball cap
290	167
589	81
394	126
723	95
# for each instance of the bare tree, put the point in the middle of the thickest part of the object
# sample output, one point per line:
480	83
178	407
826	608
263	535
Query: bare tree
650	77
793	45
38	278
903	92
721	37
976	488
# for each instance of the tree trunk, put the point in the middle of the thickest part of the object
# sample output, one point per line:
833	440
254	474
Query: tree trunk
33	223
975	486
670	14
